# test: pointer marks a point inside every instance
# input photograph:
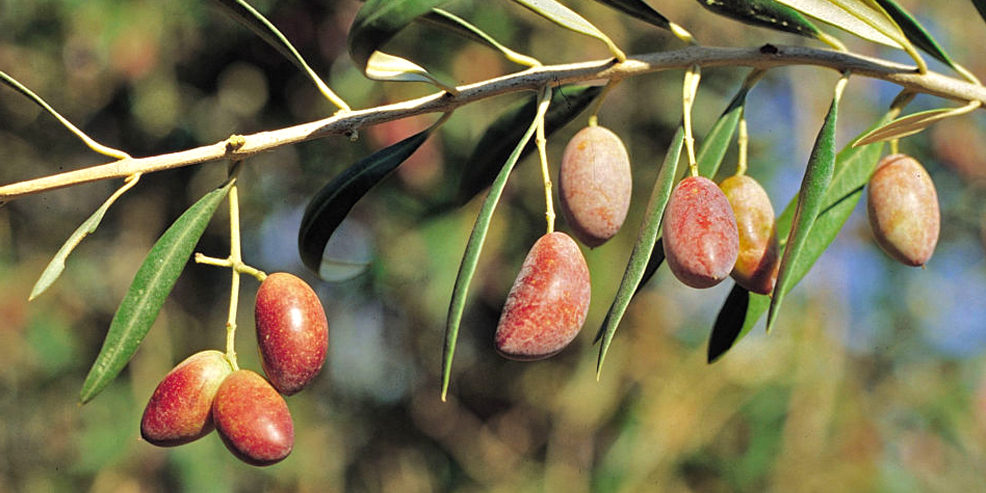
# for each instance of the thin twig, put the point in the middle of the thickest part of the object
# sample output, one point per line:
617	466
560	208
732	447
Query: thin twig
905	76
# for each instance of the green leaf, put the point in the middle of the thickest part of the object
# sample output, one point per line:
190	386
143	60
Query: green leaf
742	309
474	247
910	124
151	285
376	23
764	13
569	19
333	202
646	239
864	18
981	7
915	32
496	144
253	20
818	177
460	26
57	263
639	9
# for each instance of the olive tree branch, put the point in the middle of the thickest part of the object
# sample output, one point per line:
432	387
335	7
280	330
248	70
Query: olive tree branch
769	56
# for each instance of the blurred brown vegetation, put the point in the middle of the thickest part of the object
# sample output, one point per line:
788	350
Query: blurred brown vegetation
873	380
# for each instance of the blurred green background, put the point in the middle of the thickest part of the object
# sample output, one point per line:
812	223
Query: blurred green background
873	380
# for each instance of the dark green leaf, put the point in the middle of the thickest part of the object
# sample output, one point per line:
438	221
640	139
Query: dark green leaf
497	143
639	9
474	247
646	239
981	7
915	32
740	313
376	23
333	202
818	177
151	285
764	13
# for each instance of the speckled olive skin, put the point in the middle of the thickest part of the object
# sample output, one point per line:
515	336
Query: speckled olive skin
548	302
701	241
594	184
180	409
757	263
252	419
902	206
292	332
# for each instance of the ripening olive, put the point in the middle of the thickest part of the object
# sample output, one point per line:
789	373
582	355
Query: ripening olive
757	263
701	242
902	206
252	419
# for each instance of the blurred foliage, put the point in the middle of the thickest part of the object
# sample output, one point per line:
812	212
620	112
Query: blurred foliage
873	380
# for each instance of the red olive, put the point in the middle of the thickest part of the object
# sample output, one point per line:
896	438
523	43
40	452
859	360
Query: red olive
548	302
594	184
757	263
701	241
252	419
292	331
180	409
902	206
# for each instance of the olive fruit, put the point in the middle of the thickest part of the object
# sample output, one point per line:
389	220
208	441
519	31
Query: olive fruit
701	242
595	184
548	302
902	206
292	331
180	409
252	419
757	263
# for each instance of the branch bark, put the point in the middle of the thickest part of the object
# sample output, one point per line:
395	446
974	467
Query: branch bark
242	147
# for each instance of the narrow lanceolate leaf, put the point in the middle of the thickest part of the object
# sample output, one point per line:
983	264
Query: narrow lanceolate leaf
151	285
569	19
915	32
912	124
57	263
333	202
864	18
460	26
376	23
88	141
641	10
742	309
497	143
474	247
646	239
764	13
245	14
710	155
818	177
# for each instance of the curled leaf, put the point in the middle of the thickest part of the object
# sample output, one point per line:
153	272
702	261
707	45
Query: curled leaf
150	288
569	19
914	123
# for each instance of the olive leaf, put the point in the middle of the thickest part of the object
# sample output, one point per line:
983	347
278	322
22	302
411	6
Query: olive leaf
646	239
981	7
639	9
818	177
496	144
151	286
460	26
864	18
245	14
57	263
474	246
88	141
377	21
764	13
569	19
742	309
912	124
915	32
332	203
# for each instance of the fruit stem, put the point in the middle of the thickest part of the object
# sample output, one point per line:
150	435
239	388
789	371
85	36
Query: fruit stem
743	139
541	141
689	88
598	103
235	258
